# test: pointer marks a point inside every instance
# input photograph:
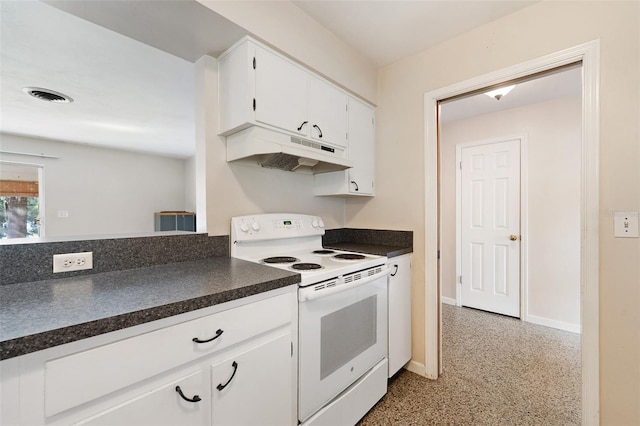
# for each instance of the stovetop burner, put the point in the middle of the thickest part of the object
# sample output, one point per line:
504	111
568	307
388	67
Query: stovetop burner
323	251
349	256
305	266
281	259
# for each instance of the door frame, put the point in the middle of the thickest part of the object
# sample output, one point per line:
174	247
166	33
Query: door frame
589	54
524	259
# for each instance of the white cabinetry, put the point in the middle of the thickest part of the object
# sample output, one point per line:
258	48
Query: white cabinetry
360	179
399	312
167	372
261	87
248	388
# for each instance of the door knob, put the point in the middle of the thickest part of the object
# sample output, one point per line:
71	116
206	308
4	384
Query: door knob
513	237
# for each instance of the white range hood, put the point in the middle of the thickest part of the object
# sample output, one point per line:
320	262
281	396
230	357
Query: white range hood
271	149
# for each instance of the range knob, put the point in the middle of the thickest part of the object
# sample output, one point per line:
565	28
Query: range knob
244	227
255	226
320	224
314	223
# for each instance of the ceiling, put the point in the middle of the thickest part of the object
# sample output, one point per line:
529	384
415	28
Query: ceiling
129	65
385	31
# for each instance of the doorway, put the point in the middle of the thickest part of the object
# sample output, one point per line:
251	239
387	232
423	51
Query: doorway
588	54
21	201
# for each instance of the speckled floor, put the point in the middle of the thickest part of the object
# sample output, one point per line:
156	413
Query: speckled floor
497	371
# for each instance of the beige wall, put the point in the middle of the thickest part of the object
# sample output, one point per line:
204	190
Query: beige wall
553	136
293	32
538	30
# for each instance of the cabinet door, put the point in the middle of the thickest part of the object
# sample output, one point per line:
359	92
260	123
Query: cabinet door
281	93
161	406
361	147
327	113
399	312
255	387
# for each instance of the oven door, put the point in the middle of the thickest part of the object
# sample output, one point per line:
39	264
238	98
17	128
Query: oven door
341	336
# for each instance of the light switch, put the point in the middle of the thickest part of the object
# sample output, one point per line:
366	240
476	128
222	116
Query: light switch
625	224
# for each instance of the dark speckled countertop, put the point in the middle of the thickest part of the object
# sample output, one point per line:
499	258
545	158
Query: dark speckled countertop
42	314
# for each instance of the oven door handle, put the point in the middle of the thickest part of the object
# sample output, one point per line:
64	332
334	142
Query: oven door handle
306	294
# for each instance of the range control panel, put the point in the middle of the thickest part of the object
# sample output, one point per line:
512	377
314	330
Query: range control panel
275	226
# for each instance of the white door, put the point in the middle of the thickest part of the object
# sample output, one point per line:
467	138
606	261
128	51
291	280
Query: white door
490	227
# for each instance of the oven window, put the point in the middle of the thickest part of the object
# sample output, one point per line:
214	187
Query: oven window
346	333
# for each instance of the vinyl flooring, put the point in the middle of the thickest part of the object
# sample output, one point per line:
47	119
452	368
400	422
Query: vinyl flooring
497	371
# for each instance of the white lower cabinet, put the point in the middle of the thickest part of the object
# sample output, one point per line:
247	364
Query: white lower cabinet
230	364
160	406
399	312
254	387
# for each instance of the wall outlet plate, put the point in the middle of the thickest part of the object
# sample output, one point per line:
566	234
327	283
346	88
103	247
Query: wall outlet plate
72	262
625	224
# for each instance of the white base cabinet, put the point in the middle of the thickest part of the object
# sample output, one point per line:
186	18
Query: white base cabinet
399	312
230	364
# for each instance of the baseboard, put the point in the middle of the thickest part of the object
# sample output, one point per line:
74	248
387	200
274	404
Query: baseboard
448	300
560	325
416	367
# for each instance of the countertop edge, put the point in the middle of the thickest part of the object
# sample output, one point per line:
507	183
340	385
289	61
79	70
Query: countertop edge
24	345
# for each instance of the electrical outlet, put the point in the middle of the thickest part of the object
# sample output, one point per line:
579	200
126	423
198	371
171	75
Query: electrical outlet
72	262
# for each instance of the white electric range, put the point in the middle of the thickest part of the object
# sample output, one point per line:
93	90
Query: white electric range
342	314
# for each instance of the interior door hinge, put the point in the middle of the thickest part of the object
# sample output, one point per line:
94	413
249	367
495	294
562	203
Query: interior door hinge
460	279
254	104
254	62
438	254
460	165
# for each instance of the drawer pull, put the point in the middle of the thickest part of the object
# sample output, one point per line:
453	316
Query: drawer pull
218	333
195	398
319	130
235	368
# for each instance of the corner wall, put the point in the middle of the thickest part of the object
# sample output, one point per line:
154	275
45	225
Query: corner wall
538	30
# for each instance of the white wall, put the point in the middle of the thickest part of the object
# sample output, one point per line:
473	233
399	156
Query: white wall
553	133
105	191
234	189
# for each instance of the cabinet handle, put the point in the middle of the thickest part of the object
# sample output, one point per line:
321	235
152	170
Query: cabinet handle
394	272
195	398
319	130
235	368
218	333
354	182
302	125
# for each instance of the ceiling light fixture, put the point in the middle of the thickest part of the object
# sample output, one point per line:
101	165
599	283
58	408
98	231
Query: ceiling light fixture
499	93
48	95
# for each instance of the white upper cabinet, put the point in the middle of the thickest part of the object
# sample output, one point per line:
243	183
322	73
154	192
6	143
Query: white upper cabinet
261	87
327	113
281	93
360	179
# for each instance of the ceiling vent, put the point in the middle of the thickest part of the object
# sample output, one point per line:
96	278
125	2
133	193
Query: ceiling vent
47	95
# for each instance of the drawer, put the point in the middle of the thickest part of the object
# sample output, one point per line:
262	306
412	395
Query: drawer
84	376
